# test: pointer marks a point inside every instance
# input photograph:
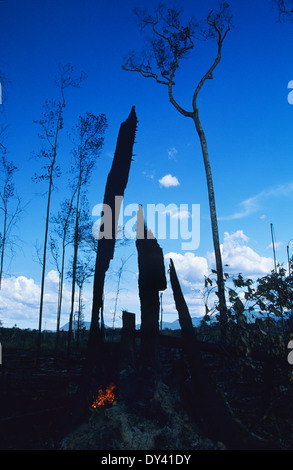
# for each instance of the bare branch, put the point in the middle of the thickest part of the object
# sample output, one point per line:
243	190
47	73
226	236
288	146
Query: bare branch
171	42
143	69
220	25
285	9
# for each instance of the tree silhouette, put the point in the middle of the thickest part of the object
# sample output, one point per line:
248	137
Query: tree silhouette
51	124
88	141
9	204
285	8
170	43
84	271
115	187
63	222
151	280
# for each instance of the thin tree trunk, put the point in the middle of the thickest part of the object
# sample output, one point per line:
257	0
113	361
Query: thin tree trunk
44	264
3	244
72	291
60	295
74	265
214	224
79	314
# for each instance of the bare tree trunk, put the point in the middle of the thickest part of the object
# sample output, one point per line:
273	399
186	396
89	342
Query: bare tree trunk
3	244
44	261
79	314
73	277
214	224
60	295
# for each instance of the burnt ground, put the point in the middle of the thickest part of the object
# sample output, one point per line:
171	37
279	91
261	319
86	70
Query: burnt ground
34	405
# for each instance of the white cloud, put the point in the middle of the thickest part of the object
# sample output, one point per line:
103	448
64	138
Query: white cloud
20	301
254	204
168	181
277	246
240	257
190	268
191	271
177	213
20	289
148	175
193	300
172	152
52	279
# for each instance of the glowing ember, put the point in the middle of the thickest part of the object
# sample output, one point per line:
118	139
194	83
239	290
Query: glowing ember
106	397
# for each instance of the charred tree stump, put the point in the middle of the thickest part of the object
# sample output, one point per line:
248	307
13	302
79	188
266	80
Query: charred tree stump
217	418
152	280
128	338
97	363
114	192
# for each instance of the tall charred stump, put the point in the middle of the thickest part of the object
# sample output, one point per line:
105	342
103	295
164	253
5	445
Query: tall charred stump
128	339
217	418
152	280
115	187
96	367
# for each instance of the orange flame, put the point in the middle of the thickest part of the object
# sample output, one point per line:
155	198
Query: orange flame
104	398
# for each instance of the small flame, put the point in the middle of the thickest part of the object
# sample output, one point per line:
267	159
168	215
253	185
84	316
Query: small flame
104	398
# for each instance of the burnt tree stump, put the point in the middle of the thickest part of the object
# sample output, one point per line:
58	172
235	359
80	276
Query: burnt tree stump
128	338
98	362
152	280
115	187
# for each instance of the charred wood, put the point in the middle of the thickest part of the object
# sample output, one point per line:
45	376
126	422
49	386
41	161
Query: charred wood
152	280
98	362
115	187
128	338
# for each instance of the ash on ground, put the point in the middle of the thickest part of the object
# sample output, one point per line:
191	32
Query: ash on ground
160	424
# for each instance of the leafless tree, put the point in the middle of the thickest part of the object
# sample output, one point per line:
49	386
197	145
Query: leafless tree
285	8
63	222
171	42
51	124
84	271
120	271
88	141
10	204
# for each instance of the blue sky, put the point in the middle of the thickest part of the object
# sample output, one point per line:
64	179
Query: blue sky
245	113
